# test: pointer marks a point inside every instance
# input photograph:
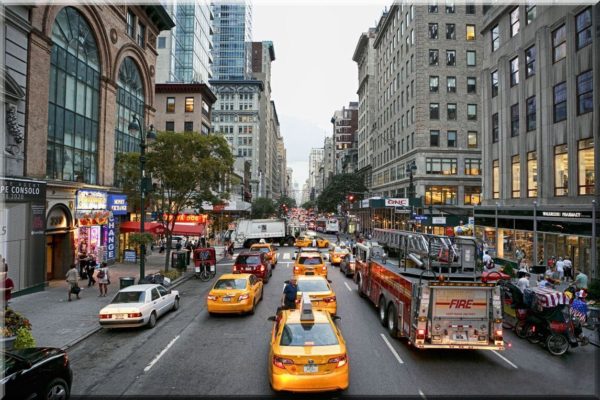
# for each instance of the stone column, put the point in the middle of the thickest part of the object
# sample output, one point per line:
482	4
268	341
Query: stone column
106	132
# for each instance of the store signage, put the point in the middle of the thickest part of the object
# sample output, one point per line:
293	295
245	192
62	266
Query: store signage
402	211
396	202
111	243
57	219
129	256
421	217
200	219
21	190
117	203
91	200
471	221
438	220
92	217
364	203
566	214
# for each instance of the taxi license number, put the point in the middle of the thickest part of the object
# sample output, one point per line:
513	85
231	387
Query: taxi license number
311	368
226	299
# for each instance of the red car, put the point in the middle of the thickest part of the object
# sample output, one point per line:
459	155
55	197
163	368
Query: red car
253	262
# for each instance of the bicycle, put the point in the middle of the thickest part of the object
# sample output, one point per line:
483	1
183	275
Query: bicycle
205	272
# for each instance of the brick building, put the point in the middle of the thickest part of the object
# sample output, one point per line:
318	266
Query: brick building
183	107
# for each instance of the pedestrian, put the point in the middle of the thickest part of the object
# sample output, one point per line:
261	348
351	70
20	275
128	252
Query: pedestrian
568	266
6	284
337	238
314	242
290	292
230	249
103	278
178	245
90	269
546	282
523	282
487	260
560	268
581	281
72	278
162	246
551	261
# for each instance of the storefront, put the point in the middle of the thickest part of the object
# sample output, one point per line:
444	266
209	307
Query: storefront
59	240
93	220
22	217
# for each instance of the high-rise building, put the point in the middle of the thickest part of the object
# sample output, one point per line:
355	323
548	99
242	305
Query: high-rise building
345	126
184	53
315	161
328	160
232	36
541	118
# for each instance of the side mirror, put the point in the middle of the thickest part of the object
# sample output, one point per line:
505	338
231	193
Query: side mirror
272	318
336	318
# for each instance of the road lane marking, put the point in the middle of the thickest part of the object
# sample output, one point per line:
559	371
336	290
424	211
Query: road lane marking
505	359
349	288
161	354
422	394
389	345
286	256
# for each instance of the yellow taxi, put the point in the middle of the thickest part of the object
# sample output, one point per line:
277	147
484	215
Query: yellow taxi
305	241
268	249
336	254
307	352
234	294
310	263
319	290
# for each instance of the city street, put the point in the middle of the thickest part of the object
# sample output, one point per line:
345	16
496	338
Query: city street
191	353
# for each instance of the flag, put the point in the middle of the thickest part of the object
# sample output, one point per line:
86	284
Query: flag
579	310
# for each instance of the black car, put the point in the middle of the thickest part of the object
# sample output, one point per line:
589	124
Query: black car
348	265
37	372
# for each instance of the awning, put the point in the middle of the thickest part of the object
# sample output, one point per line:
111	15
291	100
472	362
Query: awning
188	229
155	228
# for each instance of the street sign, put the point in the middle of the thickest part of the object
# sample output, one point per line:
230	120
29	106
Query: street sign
438	220
402	211
396	202
421	217
471	221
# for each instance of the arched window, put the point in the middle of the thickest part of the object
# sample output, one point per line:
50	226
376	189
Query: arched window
73	100
130	101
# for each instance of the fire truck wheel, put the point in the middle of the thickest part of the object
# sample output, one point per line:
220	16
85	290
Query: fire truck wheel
392	321
382	311
358	282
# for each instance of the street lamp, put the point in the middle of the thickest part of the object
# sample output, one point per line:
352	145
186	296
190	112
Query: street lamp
135	128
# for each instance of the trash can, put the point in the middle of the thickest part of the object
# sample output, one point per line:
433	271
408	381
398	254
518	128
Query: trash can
178	259
125	281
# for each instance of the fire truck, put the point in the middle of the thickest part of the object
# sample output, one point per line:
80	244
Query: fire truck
454	310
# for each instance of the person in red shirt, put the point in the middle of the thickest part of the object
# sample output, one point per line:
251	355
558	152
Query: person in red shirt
6	285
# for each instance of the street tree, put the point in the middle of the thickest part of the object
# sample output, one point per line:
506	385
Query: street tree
283	204
263	207
338	189
308	205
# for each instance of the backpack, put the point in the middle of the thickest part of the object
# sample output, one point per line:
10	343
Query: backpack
101	274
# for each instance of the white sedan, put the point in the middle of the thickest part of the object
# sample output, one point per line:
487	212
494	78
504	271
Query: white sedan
138	305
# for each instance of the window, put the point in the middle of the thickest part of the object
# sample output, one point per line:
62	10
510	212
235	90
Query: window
450	31
471	84
434	84
441	166
441	195
583	22
531	114
514	21
472	195
434	138
131	23
434	56
516	177
452	139
496	179
514	120
472	166
561	170
170	126
472	140
451	57
530	61
471	58
189	104
141	35
514	71
585	94
451	108
470	32
472	112
170	105
559	43
450	7
434	111
162	42
532	174
451	84
433	7
188	126
585	163
433	31
530	11
494	83
495	128
495	38
560	102
470	8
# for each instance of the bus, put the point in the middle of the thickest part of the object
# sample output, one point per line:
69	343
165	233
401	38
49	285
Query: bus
332	225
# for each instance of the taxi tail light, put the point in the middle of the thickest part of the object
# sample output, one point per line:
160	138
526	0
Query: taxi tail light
340	361
329	299
244	296
296	269
281	362
105	316
324	268
135	315
262	268
211	297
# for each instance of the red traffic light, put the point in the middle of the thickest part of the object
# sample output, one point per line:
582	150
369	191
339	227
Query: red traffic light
351	198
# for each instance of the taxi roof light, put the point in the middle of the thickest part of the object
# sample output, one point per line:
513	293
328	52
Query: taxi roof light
306	310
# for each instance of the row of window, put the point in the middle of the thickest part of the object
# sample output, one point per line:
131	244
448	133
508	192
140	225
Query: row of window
449	166
448	195
451	8
586	178
242	129
434	84
451	111
434	57
434	139
188	126
451	31
135	29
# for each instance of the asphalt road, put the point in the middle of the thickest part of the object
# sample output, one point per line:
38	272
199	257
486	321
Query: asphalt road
191	353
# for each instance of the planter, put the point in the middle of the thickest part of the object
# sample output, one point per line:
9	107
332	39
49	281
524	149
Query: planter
8	342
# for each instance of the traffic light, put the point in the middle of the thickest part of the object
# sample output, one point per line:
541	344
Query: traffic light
351	198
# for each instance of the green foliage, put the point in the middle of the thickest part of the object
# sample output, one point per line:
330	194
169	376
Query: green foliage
288	202
594	290
263	207
309	204
13	321
138	239
338	188
24	339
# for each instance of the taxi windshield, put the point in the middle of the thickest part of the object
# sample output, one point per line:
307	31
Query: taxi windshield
312	285
309	260
308	335
230	284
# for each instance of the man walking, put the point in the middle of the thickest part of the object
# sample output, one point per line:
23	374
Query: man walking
289	295
72	279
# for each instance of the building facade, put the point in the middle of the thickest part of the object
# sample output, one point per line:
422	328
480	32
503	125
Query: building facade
183	107
232	27
315	168
345	125
541	118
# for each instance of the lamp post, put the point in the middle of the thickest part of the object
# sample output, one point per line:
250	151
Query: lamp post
496	232
535	238
410	168
136	126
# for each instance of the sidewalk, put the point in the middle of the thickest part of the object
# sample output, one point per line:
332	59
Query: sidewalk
59	323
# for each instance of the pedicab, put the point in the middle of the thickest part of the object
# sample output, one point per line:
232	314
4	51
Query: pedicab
205	263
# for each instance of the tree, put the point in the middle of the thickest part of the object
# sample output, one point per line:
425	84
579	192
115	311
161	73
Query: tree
284	204
308	205
338	189
187	169
263	207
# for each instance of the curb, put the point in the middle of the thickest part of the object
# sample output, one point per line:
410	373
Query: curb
86	335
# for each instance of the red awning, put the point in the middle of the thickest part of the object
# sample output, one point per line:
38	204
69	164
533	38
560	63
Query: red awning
134	226
188	229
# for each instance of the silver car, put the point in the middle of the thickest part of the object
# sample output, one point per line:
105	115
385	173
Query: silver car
138	305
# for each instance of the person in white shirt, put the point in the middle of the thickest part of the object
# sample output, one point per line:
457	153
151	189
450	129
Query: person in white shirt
560	268
523	283
487	260
568	267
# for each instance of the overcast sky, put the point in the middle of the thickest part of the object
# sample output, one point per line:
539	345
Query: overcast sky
313	73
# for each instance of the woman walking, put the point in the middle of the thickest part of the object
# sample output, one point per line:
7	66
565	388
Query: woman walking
103	279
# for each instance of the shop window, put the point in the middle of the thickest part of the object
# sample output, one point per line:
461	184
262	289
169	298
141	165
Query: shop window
585	94
471	85
434	84
516	176
472	140
583	22
170	105
559	43
560	102
472	166
585	163
530	55
514	120
514	71
472	195
451	84
450	31
514	21
470	32
452	142
451	111
531	114
532	174
495	38
433	31
561	170
434	138
530	12
495	128
496	179
441	195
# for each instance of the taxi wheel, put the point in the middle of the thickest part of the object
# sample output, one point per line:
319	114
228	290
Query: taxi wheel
382	311
262	291
253	309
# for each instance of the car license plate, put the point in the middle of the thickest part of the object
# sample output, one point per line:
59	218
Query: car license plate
226	299
460	336
248	269
197	269
120	316
310	273
311	368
